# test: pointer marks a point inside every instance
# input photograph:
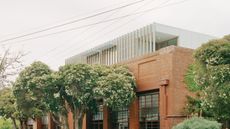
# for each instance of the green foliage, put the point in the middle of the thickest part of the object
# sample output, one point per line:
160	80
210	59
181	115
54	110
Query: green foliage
85	85
194	106
190	79
8	107
52	88
7	103
198	123
28	90
79	81
212	74
77	87
117	87
5	124
215	52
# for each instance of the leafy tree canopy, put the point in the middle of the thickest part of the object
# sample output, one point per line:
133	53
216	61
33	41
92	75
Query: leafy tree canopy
85	85
116	87
8	107
28	91
7	103
211	72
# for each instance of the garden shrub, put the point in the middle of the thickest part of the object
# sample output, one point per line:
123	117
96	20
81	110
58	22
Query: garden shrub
198	123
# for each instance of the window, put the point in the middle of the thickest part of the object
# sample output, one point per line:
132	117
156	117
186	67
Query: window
97	119
57	127
166	43
44	122
30	123
30	126
149	110
120	118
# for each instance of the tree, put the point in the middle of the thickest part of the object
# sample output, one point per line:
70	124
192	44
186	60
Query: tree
116	87
212	74
28	91
5	124
9	66
86	84
54	97
79	81
7	105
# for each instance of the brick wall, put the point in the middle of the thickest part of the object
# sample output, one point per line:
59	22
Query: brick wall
169	63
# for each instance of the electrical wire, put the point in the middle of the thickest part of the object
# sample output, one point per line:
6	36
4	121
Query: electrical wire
81	33
162	5
148	2
67	19
96	23
71	22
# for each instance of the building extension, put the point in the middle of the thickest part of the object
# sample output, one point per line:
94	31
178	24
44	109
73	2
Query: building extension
158	55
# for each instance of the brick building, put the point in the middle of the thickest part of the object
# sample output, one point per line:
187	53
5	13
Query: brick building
158	55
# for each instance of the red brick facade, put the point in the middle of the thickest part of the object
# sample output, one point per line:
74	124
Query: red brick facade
162	71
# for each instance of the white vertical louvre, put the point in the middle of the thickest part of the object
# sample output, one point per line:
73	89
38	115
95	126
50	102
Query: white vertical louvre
153	36
133	44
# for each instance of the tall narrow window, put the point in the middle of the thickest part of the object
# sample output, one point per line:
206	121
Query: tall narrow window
44	122
97	119
120	118
30	123
149	110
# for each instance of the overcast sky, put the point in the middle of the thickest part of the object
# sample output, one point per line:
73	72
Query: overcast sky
18	17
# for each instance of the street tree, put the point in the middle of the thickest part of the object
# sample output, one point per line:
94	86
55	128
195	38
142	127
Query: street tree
85	85
28	91
79	81
212	74
8	108
54	98
116	87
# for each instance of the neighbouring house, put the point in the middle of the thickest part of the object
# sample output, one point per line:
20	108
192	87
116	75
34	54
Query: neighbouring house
158	55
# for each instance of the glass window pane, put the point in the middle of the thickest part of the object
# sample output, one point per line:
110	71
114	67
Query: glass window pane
120	118
148	111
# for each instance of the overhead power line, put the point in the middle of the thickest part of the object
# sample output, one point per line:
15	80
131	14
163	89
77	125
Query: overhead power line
71	22
96	23
60	21
72	44
82	32
163	4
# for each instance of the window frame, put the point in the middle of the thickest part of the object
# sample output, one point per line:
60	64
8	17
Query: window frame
150	122
115	121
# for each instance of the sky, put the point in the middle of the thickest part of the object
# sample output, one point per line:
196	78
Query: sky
19	17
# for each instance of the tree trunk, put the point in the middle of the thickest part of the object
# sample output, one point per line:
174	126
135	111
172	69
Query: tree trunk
80	115
21	124
80	121
74	118
66	124
227	124
14	123
24	126
56	119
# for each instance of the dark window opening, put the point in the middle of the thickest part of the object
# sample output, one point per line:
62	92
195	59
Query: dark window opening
97	119
44	126
57	127
30	126
120	118
166	43
149	110
44	122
